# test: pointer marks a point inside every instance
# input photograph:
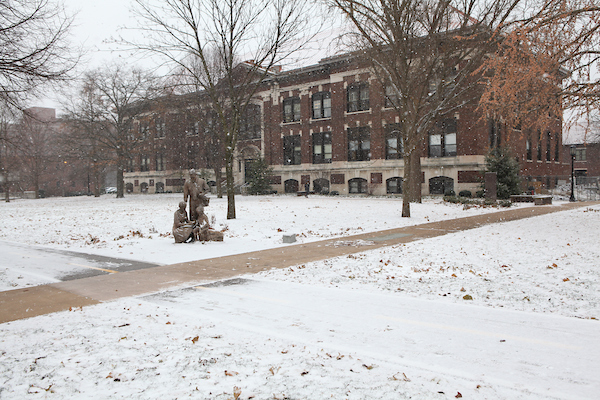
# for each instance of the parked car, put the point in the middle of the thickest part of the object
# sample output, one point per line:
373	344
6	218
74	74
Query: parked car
111	190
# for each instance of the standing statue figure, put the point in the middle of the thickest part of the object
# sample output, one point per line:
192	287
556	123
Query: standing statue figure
195	189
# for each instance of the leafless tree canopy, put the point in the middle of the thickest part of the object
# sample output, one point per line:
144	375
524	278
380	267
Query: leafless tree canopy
425	53
33	47
100	114
206	41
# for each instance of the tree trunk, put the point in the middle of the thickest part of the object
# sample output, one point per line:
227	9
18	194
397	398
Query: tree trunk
6	189
230	187
412	181
218	179
415	168
406	187
120	183
36	185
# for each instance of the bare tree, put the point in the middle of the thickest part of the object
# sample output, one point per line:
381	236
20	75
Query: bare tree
35	147
108	96
87	125
207	39
33	47
425	54
6	151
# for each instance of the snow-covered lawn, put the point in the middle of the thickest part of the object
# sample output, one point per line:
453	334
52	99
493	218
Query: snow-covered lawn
139	227
542	267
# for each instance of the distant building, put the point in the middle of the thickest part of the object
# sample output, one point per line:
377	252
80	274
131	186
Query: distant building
38	162
587	159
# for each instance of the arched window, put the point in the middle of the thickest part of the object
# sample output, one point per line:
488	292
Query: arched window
357	185
394	185
440	185
321	185
291	186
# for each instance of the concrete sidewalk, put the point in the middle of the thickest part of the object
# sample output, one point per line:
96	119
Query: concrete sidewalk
34	301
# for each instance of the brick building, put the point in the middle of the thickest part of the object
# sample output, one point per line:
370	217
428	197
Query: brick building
329	126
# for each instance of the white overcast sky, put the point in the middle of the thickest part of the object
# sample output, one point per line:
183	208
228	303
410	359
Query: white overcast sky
97	22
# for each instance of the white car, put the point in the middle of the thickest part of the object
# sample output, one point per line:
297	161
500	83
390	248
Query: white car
111	190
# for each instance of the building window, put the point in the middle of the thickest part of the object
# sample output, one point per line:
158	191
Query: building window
160	162
580	154
391	97
192	128
394	185
357	185
144	163
358	97
321	105
495	134
291	150
321	185
250	124
290	186
393	142
529	149
441	185
160	127
359	144
322	148
144	131
130	167
548	146
442	142
557	149
539	147
291	109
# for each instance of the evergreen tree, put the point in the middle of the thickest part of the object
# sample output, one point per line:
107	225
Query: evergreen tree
501	161
259	176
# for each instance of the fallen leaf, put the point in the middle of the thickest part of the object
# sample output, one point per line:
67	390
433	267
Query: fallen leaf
194	340
236	392
458	395
231	373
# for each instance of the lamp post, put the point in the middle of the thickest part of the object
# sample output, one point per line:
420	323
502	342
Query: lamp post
572	151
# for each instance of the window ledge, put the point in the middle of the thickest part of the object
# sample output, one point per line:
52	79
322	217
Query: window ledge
291	123
357	112
319	119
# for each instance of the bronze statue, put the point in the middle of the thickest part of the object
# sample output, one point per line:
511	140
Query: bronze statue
183	230
195	189
187	230
205	233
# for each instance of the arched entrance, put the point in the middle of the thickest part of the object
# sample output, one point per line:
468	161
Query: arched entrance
321	185
291	186
440	185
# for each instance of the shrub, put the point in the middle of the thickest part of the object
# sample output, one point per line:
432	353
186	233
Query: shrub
501	161
465	193
259	176
449	192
